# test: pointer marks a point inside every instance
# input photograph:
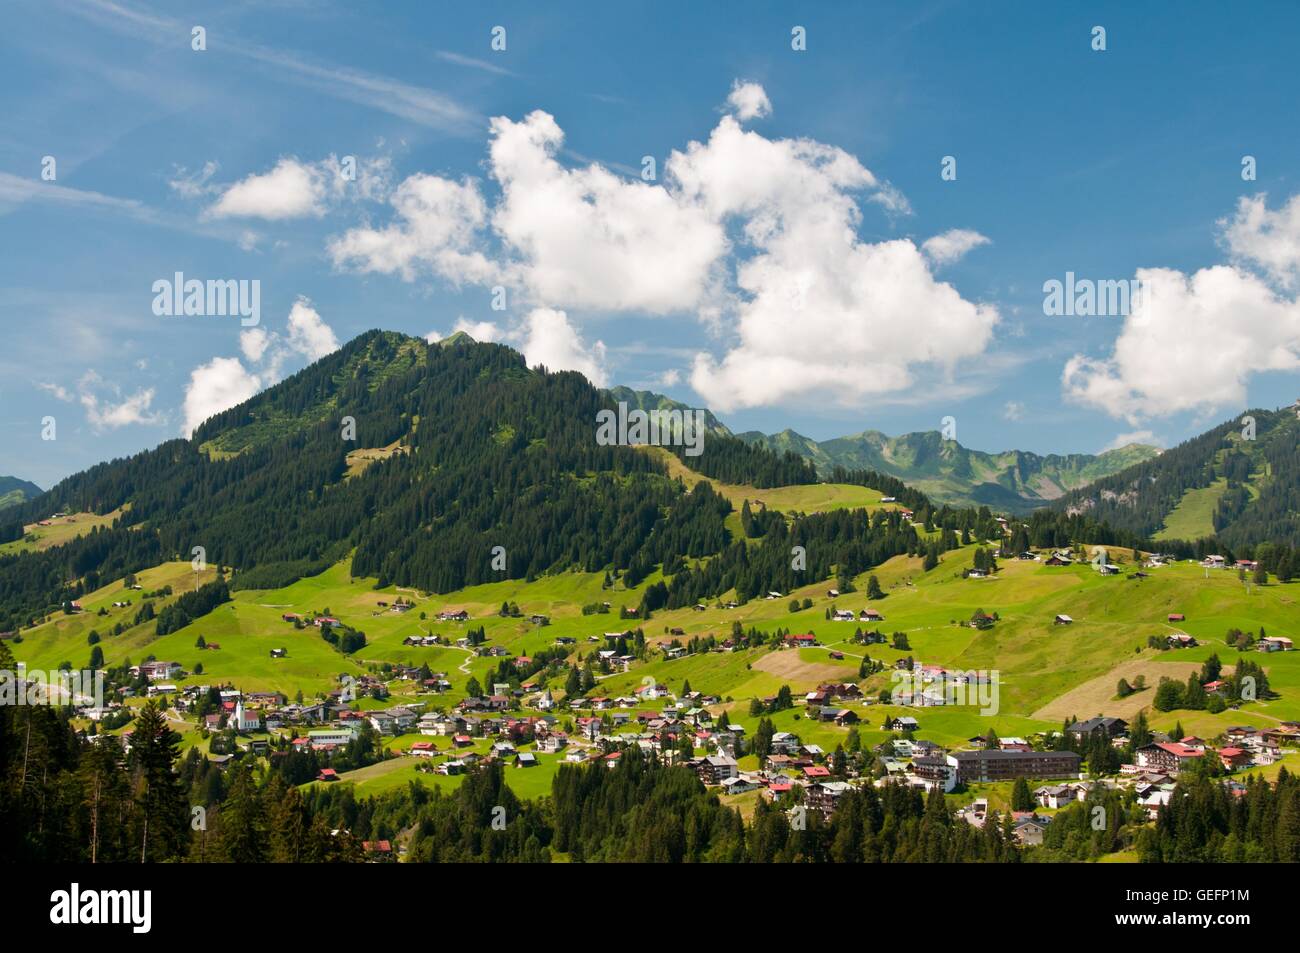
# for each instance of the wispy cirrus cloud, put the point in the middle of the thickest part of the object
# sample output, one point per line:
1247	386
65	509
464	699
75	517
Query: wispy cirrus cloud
418	104
17	189
470	62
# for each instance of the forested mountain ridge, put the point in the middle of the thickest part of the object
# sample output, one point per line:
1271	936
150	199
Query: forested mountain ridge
496	454
1247	483
300	401
14	491
1014	481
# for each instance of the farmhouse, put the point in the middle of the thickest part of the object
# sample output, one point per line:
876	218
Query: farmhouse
1029	831
739	785
552	743
1181	640
1062	620
1057	795
1177	617
1274	643
785	742
1112	727
901	723
1233	758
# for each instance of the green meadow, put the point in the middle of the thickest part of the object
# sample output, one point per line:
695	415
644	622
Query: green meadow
1046	672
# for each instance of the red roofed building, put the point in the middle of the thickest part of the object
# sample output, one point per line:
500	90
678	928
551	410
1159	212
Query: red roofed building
817	771
327	774
1169	757
1234	758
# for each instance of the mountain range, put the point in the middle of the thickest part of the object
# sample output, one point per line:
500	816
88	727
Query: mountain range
1014	481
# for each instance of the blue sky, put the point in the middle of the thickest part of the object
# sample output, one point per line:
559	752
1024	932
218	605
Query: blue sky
778	270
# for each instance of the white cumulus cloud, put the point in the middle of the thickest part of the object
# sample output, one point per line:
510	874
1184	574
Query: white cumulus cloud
1191	343
292	189
218	385
547	338
437	228
952	245
308	334
224	382
751	234
1268	239
749	101
866	312
107	408
588	238
254	342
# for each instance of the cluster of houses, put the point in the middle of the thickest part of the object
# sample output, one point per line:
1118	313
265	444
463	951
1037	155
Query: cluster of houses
160	676
933	685
847	615
1221	562
1028	827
